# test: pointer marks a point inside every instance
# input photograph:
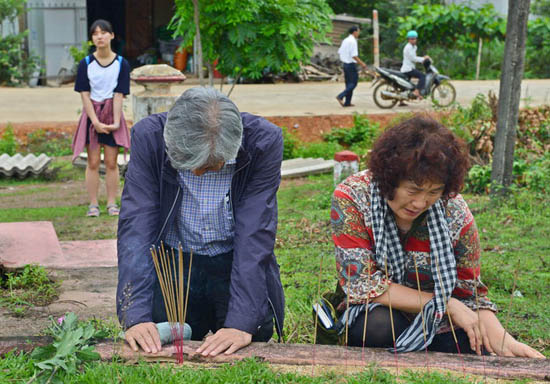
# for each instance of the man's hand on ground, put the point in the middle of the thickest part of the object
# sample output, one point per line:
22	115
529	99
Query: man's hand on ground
146	335
226	339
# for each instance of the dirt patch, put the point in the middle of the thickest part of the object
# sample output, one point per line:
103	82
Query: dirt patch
307	128
88	292
65	193
295	182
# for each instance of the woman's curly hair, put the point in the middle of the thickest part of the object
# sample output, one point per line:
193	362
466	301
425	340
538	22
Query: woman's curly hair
419	149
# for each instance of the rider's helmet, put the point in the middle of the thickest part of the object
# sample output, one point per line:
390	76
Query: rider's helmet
412	34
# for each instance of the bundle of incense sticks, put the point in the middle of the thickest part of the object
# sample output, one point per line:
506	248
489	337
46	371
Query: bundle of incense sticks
170	275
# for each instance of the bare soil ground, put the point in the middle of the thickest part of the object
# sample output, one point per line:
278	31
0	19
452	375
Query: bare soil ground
72	192
307	128
89	293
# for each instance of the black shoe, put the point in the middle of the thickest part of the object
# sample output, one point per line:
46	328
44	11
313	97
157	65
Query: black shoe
340	101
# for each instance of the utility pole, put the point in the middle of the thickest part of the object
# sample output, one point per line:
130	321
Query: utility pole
375	37
509	95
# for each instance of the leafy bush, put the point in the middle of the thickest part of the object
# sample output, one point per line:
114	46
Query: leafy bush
538	48
16	67
533	175
316	150
290	144
8	142
80	53
478	179
72	346
51	143
27	287
363	131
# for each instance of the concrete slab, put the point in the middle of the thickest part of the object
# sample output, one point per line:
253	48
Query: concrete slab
83	254
303	167
36	243
122	160
28	242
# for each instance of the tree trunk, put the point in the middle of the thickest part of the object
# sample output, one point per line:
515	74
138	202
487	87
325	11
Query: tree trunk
234	83
478	61
509	95
210	74
198	41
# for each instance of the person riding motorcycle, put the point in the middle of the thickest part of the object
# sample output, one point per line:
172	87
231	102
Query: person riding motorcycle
409	61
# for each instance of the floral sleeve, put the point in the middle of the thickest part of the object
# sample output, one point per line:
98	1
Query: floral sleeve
467	252
352	238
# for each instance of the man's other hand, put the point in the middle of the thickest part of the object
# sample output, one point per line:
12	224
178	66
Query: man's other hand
146	335
226	340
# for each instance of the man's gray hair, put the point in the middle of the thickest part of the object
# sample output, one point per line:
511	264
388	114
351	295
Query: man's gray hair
203	129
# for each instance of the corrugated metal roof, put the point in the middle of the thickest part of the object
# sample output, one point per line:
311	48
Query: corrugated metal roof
22	166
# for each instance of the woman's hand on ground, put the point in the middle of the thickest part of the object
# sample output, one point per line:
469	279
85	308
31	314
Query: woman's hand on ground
513	348
226	340
146	335
465	318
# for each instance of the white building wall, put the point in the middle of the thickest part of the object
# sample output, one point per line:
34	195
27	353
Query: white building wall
8	27
501	6
54	26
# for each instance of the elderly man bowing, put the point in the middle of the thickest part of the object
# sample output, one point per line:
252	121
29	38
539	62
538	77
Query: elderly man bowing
206	176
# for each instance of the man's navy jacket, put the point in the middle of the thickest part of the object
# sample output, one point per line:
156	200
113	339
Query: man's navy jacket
152	197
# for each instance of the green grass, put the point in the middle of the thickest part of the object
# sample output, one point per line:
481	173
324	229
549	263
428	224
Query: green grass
19	368
25	288
70	222
513	232
514	237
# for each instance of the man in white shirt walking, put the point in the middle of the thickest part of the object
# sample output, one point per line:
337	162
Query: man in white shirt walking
349	56
409	61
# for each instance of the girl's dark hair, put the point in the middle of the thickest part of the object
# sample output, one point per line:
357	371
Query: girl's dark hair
419	149
104	25
353	29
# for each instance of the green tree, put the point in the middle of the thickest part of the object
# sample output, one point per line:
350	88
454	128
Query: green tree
538	48
454	34
16	66
541	7
249	37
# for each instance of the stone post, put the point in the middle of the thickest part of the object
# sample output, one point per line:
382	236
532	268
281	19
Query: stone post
157	96
346	163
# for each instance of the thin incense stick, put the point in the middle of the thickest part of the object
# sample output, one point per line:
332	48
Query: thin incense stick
509	308
170	273
391	316
188	284
450	319
347	315
317	315
479	325
366	314
421	312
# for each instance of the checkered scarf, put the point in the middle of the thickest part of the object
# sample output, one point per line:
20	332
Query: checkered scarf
388	249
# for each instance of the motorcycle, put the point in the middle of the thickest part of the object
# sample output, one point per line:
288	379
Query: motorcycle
393	86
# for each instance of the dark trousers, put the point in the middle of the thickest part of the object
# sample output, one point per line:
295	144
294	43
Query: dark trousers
379	333
208	297
421	79
351	77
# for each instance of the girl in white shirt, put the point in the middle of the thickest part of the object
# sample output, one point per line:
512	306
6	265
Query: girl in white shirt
103	79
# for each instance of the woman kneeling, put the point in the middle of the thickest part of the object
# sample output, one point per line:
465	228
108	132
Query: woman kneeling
408	252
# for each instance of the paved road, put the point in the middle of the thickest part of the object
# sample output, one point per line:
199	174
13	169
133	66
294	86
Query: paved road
63	104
